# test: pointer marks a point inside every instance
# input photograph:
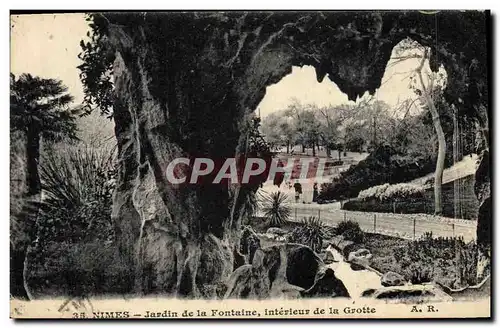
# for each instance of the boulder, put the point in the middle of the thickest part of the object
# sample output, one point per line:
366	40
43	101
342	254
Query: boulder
328	258
239	259
276	231
326	285
249	243
283	271
392	279
286	271
357	267
412	293
303	264
360	258
240	284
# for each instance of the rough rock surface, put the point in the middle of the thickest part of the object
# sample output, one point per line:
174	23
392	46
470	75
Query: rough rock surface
276	231
289	271
249	243
184	85
412	294
392	279
328	258
326	285
360	258
484	231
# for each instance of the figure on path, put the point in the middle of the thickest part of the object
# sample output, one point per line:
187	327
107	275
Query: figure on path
298	190
315	192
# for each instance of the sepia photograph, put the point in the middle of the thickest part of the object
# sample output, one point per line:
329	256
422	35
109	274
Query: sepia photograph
250	164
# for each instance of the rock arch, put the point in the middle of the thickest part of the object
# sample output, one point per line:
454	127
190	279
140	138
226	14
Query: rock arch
185	83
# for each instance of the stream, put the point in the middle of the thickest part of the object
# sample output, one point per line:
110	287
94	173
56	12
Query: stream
356	282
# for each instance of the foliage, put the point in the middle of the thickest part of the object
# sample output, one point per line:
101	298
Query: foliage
39	107
77	183
346	126
311	233
278	130
38	111
96	69
387	191
419	272
350	230
276	208
373	192
423	259
384	165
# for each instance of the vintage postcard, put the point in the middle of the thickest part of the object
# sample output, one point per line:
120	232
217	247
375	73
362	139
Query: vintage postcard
250	164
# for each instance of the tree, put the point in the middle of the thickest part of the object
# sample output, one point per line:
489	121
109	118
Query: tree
278	130
305	124
329	128
409	49
310	128
38	109
438	179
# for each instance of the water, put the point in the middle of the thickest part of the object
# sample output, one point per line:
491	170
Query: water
356	282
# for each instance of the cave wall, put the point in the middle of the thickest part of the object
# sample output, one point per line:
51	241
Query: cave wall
186	82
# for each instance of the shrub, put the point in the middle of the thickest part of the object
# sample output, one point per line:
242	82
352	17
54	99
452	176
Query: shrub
77	184
311	233
419	272
375	192
403	191
387	191
350	230
383	165
430	258
275	208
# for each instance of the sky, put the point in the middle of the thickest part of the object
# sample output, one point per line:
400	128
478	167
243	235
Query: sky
302	84
48	45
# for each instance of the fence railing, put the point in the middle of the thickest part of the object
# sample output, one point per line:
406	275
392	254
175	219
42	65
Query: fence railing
406	226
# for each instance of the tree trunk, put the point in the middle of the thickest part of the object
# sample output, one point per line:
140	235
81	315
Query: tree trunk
303	148
328	152
32	157
26	219
438	177
314	149
17	282
288	147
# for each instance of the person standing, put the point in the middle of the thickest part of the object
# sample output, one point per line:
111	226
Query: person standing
315	192
298	190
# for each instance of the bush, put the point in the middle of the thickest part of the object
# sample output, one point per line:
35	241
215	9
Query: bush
77	184
311	233
275	208
350	230
430	258
419	272
375	192
400	191
384	165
